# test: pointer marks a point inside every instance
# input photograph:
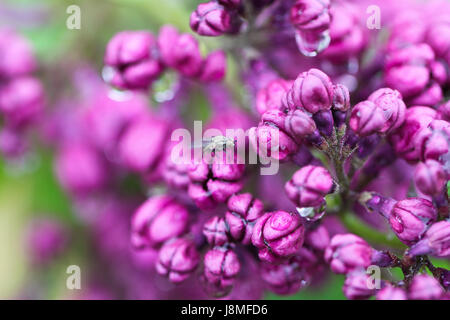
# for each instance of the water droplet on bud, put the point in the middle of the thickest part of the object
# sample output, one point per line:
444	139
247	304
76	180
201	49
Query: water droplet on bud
310	43
312	213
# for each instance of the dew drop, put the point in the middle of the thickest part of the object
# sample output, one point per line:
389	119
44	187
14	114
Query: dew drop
310	43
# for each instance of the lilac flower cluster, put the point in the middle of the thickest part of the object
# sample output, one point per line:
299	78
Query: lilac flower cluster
21	94
135	59
363	141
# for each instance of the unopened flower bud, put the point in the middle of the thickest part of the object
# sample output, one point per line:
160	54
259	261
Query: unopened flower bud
367	118
21	101
430	177
312	91
285	278
347	252
210	19
46	240
221	268
425	287
17	55
80	169
270	138
299	124
392	293
356	285
270	97
216	231
411	217
132	55
341	97
136	150
215	182
436	241
158	219
278	235
214	67
178	259
394	109
309	186
324	122
311	15
243	212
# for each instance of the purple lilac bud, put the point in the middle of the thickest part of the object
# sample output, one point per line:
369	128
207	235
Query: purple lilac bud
176	174
299	124
438	38
341	97
339	118
408	70
285	278
216	231
309	186
17	55
158	219
411	217
348	36
270	97
80	169
367	118
405	29
347	252
214	67
436	241
210	19
180	51
178	259
430	177
278	235
317	239
445	278
46	240
221	268
310	15
392	293
375	202
133	58
324	122
408	140
106	118
21	101
136	150
312	91
435	140
425	287
356	286
167	38
243	212
270	138
12	143
216	182
394	109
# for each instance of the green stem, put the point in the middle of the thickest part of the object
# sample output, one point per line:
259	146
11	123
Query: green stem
360	228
